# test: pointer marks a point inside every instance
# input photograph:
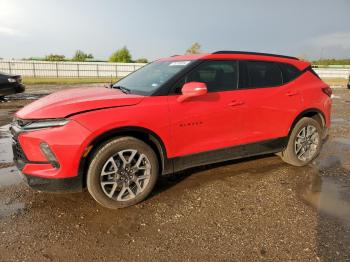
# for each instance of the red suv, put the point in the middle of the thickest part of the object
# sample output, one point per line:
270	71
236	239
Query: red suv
170	115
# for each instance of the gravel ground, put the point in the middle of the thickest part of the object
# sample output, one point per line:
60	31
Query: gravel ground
257	209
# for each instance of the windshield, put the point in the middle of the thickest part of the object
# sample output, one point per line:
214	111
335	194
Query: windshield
150	77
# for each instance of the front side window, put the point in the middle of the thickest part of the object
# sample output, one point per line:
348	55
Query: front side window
217	75
151	77
255	74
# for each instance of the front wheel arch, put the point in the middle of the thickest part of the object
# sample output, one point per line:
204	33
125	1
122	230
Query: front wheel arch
122	165
146	135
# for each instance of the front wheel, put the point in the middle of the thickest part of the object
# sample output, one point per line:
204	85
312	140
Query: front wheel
122	172
305	142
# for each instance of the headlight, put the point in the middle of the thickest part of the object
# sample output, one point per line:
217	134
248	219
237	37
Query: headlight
12	80
38	124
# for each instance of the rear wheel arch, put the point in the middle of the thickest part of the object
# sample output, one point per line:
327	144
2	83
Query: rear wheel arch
313	113
145	135
304	143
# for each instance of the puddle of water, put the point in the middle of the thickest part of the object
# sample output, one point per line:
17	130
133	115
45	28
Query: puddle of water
11	209
337	120
342	140
335	96
329	196
327	193
6	155
9	176
335	153
340	121
25	96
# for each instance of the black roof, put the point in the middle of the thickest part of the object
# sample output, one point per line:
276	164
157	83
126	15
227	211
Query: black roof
254	53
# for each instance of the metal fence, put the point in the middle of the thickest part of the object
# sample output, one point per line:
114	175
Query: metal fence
328	72
105	69
67	69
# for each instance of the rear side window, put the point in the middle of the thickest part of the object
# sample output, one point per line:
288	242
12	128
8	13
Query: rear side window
289	72
255	74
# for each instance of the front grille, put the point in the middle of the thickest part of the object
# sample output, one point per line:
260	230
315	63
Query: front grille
19	157
18	153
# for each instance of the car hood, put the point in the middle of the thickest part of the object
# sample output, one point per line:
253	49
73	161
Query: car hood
73	101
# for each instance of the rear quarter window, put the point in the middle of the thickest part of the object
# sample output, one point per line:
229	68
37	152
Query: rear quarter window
289	72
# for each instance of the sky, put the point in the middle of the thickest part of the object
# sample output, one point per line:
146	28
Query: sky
158	28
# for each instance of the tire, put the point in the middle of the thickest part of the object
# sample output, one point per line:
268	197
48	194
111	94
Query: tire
296	150
114	182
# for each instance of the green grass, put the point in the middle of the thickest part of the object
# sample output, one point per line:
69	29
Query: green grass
65	81
335	81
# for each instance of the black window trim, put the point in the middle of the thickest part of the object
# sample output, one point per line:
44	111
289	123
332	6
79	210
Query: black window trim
180	75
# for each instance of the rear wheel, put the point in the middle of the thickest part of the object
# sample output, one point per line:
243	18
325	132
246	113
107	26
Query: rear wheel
122	172
304	143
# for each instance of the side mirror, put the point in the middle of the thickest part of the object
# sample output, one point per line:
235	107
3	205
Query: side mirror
192	89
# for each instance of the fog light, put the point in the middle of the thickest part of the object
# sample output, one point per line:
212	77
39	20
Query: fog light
49	155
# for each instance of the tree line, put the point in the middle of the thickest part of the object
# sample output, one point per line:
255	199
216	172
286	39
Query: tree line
121	55
327	62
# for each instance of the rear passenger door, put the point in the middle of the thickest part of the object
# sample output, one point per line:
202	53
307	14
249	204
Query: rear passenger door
271	99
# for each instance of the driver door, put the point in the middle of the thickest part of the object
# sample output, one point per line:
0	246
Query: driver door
211	121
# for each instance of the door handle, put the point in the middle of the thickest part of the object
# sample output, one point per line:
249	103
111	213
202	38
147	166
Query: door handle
236	103
292	93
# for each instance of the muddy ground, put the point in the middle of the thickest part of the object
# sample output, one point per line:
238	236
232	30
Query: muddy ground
257	209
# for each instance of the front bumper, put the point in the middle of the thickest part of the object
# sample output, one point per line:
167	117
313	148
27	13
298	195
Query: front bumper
66	142
12	89
66	185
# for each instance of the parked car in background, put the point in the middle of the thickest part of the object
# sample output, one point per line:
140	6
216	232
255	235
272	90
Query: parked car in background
10	84
170	115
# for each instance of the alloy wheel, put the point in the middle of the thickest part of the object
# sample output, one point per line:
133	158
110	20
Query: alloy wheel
306	143
125	175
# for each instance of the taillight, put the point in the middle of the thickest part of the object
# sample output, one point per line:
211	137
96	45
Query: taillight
327	90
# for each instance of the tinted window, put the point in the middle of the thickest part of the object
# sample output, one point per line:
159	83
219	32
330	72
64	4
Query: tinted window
259	74
289	72
217	75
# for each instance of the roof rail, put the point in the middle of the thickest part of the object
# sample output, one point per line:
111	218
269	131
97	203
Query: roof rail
254	53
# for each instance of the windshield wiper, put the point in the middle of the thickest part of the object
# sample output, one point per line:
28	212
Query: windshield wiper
123	89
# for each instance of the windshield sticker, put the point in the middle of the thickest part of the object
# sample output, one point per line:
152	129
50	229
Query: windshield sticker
180	63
